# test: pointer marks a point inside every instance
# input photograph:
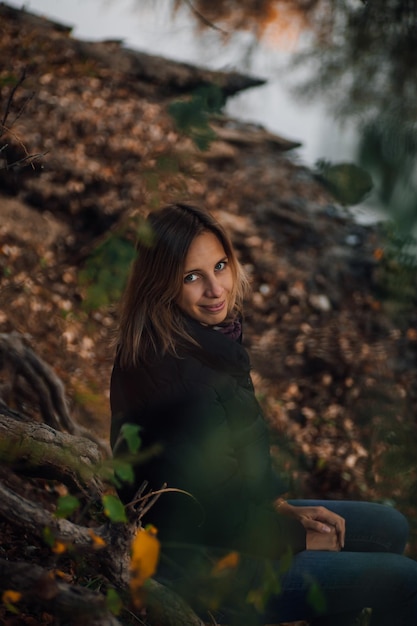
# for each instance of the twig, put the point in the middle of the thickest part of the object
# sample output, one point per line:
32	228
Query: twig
155	497
22	108
29	158
11	96
20	162
204	19
156	494
211	616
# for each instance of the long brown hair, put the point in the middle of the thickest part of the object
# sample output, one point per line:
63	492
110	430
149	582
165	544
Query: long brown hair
150	321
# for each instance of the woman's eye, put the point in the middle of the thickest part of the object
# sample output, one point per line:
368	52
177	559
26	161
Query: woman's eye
190	278
220	266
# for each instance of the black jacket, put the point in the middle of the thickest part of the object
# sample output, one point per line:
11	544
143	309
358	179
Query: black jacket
213	443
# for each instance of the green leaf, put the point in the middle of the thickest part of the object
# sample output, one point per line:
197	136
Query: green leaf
348	182
131	434
114	508
316	599
8	79
114	602
66	505
191	115
123	471
105	271
145	234
48	536
285	561
270	586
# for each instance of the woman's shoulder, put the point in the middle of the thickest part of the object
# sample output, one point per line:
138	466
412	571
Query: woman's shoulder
220	349
161	372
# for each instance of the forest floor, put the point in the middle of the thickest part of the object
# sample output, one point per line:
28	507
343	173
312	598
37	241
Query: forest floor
333	353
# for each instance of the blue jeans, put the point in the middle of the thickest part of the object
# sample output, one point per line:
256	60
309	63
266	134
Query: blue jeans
333	587
321	587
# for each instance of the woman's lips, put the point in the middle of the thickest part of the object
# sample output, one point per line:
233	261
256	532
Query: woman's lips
214	308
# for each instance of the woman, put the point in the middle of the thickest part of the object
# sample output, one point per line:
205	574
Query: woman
182	375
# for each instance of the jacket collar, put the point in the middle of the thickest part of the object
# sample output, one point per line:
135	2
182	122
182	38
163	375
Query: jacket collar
217	349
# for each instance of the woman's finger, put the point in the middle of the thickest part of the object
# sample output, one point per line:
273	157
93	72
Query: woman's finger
320	527
332	519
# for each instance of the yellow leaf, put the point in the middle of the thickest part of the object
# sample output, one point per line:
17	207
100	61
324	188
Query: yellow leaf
98	542
59	547
230	561
11	597
412	334
144	560
63	575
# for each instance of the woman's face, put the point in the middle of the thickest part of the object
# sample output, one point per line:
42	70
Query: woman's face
207	282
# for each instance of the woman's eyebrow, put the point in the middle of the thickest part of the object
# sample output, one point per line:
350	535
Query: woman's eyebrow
191	271
196	269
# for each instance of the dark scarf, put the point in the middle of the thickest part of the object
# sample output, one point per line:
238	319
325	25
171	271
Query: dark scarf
232	329
218	349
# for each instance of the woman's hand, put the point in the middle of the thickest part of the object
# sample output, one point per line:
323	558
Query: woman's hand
317	520
322	541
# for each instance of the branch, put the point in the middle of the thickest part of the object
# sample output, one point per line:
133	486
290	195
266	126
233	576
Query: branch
163	605
116	539
27	160
56	597
203	19
10	99
33	518
41	451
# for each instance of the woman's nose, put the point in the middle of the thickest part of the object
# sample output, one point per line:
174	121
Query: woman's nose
214	288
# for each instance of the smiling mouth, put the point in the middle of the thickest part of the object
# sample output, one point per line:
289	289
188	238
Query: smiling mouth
214	308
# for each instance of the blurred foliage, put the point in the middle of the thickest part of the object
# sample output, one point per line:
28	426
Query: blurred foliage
348	182
315	598
363	66
360	57
114	508
85	393
191	114
257	16
105	272
394	467
114	602
364	59
396	275
130	433
388	150
144	561
66	506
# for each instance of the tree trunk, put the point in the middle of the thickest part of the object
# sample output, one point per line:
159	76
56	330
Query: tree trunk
40	587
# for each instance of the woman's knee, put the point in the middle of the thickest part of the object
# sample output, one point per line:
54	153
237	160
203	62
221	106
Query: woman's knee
371	526
397	525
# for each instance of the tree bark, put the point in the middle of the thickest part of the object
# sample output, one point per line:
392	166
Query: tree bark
163	607
41	587
39	450
23	363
